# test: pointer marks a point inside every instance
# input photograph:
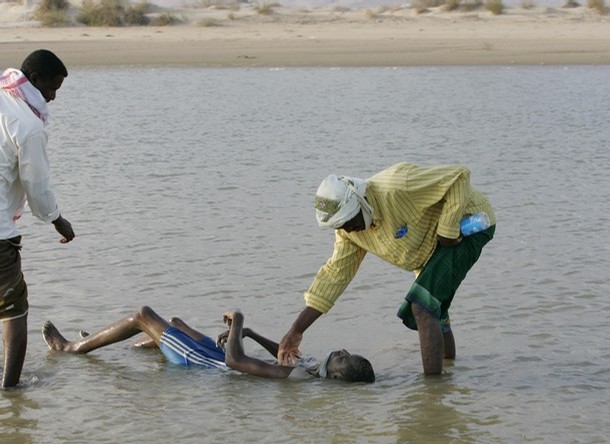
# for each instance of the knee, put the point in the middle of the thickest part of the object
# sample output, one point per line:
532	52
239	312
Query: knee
175	321
144	312
419	312
424	318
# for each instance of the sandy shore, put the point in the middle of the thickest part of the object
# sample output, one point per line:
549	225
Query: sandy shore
322	37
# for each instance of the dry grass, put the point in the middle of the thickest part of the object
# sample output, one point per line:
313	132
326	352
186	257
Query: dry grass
52	13
102	13
496	7
209	22
264	8
166	18
597	5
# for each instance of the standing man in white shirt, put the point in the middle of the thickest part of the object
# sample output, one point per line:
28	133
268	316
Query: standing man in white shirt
24	179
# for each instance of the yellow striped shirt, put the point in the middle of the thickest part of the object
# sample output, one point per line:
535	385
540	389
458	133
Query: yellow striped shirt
428	201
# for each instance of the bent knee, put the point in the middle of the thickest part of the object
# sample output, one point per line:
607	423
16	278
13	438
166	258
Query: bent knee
175	321
144	312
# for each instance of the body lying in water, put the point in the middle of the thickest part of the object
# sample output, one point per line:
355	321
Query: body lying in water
181	344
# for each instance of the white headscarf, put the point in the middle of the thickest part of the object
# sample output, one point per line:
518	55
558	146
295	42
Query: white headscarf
339	199
17	84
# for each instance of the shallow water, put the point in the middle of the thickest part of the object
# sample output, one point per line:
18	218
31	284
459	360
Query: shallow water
191	191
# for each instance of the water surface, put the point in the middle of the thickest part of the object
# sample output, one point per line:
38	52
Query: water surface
191	190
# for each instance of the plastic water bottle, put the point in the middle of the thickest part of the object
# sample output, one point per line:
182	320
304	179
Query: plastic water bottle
475	223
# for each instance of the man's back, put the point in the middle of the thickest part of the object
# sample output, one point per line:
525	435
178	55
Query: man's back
19	128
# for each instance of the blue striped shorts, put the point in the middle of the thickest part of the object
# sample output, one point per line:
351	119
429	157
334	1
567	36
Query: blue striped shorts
179	348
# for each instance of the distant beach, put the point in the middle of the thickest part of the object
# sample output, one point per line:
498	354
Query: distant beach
291	37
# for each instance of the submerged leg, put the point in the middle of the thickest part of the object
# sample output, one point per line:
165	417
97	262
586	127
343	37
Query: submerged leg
15	339
449	345
142	320
430	340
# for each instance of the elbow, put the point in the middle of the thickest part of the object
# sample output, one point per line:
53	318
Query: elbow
232	358
229	358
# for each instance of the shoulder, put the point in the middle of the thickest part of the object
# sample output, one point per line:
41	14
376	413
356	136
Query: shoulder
397	172
18	118
306	368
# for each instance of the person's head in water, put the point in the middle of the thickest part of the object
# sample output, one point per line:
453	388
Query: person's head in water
340	364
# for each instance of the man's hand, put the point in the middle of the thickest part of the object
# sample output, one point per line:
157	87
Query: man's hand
289	352
289	347
446	242
64	228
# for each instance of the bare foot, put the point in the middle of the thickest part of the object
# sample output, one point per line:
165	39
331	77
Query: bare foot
144	343
54	339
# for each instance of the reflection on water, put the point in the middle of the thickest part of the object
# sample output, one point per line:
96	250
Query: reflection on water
190	190
436	411
18	416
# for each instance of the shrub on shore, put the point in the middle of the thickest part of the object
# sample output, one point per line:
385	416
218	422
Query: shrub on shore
136	14
102	13
165	19
264	8
496	7
52	13
597	5
114	13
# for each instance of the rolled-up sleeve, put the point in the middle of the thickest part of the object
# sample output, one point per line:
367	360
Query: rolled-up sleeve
34	173
334	277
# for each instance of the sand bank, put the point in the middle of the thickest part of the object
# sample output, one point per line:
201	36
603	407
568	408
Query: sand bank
324	37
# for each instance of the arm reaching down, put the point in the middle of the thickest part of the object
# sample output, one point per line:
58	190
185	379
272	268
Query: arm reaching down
289	347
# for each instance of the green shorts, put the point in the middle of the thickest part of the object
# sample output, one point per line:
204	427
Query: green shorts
13	289
434	288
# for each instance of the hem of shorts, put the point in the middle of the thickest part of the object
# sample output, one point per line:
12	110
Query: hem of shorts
15	317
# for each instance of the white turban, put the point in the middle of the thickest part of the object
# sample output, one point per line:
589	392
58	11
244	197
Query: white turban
339	199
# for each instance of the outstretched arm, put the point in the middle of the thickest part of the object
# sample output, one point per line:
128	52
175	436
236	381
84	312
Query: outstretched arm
236	358
289	347
269	345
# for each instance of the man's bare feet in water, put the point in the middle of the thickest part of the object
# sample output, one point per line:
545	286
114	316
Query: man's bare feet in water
54	339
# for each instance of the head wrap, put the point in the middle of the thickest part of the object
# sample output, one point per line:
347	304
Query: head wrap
339	199
17	84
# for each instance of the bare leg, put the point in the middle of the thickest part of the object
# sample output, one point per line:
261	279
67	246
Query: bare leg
15	339
449	342
145	342
174	322
185	328
143	320
430	340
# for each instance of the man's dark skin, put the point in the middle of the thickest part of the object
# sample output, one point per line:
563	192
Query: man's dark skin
435	345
